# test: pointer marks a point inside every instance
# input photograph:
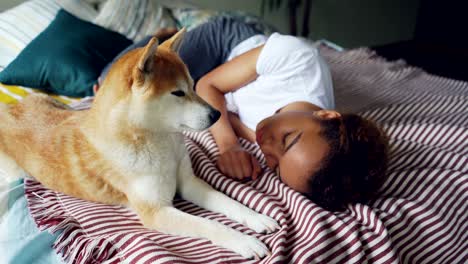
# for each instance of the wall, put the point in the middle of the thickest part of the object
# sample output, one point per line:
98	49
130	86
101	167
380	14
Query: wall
349	23
364	22
5	4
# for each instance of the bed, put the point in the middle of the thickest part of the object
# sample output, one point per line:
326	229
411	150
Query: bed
420	216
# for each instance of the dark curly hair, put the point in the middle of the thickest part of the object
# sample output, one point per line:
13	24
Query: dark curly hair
354	168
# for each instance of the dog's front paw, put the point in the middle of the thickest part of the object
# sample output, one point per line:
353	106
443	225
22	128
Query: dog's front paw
247	246
260	223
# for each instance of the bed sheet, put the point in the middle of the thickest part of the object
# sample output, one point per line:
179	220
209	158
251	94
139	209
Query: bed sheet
21	242
421	215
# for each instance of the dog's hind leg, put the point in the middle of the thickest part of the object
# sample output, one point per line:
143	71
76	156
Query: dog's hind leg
9	169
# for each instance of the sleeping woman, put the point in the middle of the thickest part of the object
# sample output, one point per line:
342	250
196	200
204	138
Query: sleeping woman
277	92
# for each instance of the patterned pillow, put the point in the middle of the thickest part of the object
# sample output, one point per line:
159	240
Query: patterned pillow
192	17
79	9
134	19
21	24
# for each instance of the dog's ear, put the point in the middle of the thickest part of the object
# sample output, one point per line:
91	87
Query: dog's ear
145	63
175	41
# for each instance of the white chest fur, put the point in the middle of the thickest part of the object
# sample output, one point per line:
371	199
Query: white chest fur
150	169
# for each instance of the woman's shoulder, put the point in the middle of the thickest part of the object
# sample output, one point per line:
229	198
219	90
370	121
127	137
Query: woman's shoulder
290	43
286	53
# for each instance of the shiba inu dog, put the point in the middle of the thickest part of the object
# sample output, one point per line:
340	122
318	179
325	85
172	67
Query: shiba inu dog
128	148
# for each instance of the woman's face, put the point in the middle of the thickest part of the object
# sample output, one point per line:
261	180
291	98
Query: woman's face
292	145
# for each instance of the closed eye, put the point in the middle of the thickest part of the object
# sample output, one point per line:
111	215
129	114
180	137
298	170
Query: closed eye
285	137
178	93
293	142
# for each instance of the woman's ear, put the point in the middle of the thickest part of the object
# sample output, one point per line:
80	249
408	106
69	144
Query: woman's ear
327	114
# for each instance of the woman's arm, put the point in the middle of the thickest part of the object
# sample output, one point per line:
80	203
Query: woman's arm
234	160
224	79
240	129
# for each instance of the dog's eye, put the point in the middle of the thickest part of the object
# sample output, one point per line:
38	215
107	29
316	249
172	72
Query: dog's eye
178	93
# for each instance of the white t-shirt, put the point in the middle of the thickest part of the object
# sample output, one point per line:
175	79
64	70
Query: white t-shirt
289	69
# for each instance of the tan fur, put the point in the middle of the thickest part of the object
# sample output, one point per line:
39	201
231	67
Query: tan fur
46	138
128	149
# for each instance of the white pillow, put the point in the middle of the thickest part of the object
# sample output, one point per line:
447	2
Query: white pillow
95	2
79	9
21	24
135	19
178	3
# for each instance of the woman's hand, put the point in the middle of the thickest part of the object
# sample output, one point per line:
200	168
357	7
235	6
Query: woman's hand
237	163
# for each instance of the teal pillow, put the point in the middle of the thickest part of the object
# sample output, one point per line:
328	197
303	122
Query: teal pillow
66	58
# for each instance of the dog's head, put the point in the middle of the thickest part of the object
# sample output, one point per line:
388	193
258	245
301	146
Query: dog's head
152	87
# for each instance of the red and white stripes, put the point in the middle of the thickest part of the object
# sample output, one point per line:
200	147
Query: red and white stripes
420	217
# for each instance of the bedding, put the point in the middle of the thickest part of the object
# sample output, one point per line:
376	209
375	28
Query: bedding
420	215
20	240
192	17
134	19
66	58
21	24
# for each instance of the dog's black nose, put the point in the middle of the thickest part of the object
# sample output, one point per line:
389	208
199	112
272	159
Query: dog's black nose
214	116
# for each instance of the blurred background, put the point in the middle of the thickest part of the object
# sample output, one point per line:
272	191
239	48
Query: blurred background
426	33
349	23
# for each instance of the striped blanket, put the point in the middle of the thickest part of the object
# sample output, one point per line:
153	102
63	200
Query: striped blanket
420	217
